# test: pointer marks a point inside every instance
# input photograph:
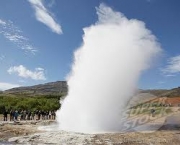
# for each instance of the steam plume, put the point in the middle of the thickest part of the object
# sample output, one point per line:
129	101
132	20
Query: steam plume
105	72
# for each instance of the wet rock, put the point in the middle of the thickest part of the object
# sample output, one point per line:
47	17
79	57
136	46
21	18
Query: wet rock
58	137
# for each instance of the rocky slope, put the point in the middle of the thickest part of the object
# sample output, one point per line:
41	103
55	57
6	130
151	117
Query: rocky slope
175	92
55	88
52	88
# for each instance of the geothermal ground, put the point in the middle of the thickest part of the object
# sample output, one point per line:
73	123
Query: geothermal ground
167	131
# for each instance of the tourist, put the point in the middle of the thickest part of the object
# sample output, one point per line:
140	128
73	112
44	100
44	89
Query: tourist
5	114
11	115
39	115
53	115
50	114
29	115
16	114
153	112
32	115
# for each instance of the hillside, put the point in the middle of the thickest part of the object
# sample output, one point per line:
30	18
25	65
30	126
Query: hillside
175	92
52	88
155	92
60	87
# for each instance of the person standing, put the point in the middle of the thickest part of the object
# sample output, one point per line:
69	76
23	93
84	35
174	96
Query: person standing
32	115
153	112
50	114
5	114
11	115
16	115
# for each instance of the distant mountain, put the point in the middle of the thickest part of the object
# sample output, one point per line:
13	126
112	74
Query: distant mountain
155	92
60	87
52	88
175	92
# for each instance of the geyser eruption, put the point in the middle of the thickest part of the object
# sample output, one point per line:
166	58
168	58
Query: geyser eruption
105	72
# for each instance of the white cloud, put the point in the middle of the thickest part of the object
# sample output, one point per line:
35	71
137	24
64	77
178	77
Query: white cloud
2	22
44	16
5	86
2	57
23	72
173	66
51	3
39	69
14	34
170	75
14	37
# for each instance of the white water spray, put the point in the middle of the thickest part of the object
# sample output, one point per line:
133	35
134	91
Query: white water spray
105	72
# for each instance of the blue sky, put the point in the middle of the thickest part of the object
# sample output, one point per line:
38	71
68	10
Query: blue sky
38	38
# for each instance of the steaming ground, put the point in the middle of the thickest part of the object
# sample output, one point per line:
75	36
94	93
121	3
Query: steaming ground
105	72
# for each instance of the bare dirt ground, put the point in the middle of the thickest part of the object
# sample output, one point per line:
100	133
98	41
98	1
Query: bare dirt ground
27	132
157	130
161	137
14	129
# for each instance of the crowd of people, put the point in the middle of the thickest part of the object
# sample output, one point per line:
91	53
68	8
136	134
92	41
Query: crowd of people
18	115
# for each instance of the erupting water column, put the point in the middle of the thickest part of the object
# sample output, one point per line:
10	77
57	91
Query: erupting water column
105	72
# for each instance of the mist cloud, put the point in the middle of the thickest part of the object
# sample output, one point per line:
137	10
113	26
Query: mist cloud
105	72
